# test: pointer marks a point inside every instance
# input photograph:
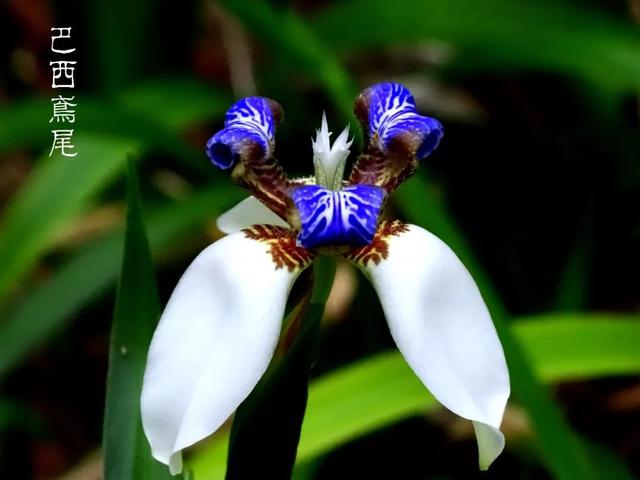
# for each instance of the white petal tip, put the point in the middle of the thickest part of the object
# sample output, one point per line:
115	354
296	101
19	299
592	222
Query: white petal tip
490	444
175	463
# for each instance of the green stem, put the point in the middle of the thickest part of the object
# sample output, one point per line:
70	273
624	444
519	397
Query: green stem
266	428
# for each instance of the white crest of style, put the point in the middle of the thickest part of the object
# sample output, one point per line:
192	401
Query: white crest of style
329	160
221	325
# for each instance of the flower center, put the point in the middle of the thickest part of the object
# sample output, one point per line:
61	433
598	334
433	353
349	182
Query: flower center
327	218
326	215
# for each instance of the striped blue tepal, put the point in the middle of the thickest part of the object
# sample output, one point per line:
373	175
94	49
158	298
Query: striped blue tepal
249	131
393	123
345	217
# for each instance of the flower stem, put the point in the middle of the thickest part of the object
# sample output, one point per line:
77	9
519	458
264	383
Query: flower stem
266	428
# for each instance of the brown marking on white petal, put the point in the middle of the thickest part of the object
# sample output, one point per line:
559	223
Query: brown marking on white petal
378	249
282	246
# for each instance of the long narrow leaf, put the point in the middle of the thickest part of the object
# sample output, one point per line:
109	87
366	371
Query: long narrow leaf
126	452
381	390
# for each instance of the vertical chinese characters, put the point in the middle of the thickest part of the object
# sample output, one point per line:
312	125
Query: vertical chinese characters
62	76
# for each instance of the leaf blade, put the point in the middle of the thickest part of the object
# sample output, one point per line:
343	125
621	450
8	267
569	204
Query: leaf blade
126	451
380	390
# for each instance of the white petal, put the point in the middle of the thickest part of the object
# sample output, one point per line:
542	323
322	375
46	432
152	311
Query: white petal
214	341
249	211
442	327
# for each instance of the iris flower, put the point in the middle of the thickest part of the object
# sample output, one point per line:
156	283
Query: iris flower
221	325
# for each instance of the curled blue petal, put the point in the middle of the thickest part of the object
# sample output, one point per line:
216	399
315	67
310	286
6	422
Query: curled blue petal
337	218
389	113
417	134
249	132
227	146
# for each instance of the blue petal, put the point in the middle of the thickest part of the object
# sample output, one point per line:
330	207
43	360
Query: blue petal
249	132
393	122
337	218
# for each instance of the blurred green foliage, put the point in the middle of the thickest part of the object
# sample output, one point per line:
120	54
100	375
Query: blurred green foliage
49	199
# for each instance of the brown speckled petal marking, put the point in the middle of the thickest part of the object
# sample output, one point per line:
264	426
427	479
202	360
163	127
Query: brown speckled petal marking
385	170
378	249
282	246
374	166
246	144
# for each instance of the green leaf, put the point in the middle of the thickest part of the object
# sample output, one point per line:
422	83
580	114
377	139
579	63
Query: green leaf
126	450
378	391
493	34
94	269
383	389
266	427
603	344
56	190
